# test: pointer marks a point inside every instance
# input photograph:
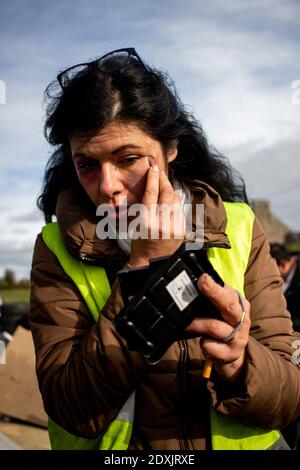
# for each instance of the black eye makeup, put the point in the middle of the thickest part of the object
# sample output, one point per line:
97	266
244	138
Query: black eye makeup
129	160
85	165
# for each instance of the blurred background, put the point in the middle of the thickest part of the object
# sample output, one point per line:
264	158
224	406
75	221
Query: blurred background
236	66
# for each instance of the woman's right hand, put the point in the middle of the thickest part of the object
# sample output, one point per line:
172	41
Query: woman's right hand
163	220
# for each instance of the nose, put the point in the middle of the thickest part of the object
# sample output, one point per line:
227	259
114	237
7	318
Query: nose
110	182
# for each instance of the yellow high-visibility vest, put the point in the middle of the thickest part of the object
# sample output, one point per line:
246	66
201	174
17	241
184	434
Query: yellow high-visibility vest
227	433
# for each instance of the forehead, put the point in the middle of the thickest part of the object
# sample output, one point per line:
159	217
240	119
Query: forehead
111	137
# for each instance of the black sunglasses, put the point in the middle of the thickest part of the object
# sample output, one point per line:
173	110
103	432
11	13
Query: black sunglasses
123	58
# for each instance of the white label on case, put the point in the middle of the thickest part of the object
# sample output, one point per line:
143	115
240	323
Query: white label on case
182	290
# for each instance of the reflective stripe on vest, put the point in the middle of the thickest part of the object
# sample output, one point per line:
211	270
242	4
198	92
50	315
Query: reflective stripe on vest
93	285
91	281
228	433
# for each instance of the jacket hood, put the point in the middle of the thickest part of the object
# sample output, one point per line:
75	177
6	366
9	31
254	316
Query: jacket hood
77	221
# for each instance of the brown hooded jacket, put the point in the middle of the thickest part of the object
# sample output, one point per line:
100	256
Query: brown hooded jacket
86	372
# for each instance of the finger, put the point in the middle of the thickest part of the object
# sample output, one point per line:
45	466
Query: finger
166	191
224	298
221	352
211	327
151	193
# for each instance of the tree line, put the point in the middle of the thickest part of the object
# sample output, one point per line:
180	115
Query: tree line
9	281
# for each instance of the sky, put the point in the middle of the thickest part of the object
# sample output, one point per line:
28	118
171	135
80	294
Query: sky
234	63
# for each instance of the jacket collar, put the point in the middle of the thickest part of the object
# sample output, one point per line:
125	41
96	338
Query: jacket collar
77	221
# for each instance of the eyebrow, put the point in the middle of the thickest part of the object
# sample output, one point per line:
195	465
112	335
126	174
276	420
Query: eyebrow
125	147
121	148
80	154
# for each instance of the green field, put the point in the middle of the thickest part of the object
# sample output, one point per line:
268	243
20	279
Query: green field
294	247
14	295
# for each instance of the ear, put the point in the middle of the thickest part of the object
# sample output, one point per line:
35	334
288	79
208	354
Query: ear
172	153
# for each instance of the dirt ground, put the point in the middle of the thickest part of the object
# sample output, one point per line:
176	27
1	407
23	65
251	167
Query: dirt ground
23	436
20	398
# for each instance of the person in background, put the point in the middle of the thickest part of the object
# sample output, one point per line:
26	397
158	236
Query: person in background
289	268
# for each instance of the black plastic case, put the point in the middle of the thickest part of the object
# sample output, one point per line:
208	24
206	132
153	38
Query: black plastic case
161	300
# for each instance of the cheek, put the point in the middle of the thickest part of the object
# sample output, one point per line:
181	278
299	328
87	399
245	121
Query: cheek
87	178
135	185
90	182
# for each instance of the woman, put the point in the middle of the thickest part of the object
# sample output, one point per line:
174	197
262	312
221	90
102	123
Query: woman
122	134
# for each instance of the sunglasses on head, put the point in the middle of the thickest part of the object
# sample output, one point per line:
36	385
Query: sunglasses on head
122	57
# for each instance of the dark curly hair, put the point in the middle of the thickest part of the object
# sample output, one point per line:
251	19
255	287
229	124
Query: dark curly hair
147	98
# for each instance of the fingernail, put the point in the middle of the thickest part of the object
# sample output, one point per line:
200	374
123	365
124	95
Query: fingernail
207	280
155	168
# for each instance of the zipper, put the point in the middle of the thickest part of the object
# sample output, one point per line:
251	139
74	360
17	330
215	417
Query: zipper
89	260
183	438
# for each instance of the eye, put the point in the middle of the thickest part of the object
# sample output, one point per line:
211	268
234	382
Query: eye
130	160
85	166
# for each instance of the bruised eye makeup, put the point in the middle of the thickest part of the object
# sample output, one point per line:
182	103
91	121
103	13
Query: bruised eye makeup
86	165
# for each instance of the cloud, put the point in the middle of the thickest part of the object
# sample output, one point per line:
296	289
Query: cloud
273	173
19	228
19	260
238	80
274	9
33	216
233	64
